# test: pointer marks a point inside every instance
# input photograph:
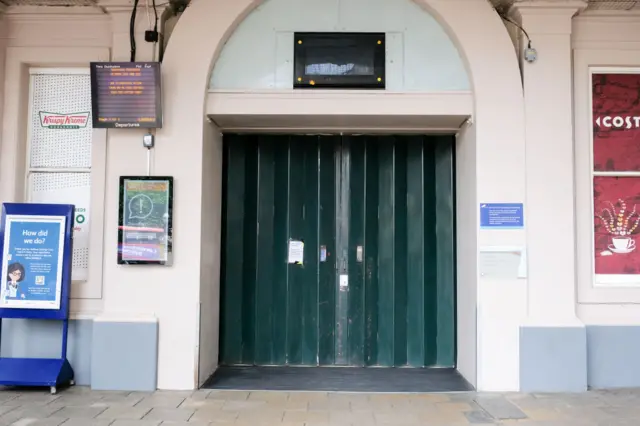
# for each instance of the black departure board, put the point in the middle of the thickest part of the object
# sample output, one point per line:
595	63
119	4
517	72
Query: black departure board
126	95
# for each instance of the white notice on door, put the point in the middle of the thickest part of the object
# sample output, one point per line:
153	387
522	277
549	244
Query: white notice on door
344	281
296	251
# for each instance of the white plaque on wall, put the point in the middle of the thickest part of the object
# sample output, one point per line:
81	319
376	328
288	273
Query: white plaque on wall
503	263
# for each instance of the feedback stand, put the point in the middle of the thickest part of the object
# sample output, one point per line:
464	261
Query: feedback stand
36	250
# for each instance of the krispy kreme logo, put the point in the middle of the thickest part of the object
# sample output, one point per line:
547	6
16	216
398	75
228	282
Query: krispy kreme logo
619	122
51	120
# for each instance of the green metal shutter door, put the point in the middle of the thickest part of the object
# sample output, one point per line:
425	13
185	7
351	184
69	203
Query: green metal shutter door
393	197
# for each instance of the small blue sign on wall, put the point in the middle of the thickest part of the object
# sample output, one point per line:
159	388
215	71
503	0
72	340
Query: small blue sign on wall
502	215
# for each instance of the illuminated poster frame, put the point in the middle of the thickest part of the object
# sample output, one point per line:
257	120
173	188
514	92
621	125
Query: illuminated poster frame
615	176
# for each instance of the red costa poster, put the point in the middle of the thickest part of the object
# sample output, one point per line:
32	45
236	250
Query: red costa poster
616	148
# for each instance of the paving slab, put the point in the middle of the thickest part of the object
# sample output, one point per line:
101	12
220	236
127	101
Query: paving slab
163	400
136	423
27	421
87	422
500	408
171	414
124	413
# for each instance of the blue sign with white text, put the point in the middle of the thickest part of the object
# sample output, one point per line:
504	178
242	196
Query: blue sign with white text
32	263
502	215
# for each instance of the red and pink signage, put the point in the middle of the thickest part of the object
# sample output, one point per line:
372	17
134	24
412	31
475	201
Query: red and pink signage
616	150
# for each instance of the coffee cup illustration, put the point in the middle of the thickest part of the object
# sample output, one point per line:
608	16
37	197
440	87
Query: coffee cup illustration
623	243
620	225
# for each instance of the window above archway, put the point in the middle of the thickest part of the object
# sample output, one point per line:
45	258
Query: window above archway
420	56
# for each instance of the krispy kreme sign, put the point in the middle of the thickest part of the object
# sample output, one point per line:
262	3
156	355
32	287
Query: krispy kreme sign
52	120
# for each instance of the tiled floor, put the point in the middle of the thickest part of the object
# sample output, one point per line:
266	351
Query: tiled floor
82	407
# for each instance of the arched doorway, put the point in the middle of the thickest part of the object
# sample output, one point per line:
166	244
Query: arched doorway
495	130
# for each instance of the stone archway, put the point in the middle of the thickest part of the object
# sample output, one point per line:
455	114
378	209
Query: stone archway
497	131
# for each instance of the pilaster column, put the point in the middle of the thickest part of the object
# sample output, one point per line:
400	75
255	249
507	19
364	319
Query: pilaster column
552	339
156	345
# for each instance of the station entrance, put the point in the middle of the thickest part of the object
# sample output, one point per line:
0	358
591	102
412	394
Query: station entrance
338	251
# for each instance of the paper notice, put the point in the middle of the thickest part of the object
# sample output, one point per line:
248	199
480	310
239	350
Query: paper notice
344	281
296	251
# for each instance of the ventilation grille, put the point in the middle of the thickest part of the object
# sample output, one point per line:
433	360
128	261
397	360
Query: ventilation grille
60	152
60	148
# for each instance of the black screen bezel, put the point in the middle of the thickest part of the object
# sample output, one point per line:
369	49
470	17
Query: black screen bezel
121	224
95	114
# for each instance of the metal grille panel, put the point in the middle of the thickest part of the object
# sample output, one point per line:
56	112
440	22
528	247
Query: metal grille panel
72	188
60	151
56	147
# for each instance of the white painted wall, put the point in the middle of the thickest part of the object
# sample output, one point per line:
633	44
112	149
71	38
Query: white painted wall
212	156
420	55
550	215
599	39
467	247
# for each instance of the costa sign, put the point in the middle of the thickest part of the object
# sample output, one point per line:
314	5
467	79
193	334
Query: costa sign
619	122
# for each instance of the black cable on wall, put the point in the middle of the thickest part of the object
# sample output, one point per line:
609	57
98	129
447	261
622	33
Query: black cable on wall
132	29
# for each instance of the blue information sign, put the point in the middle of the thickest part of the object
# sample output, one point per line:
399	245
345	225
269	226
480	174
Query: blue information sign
36	246
32	268
502	215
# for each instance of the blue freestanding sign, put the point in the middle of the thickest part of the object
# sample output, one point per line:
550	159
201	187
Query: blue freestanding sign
502	215
36	246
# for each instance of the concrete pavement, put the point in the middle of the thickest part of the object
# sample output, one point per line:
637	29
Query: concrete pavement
79	406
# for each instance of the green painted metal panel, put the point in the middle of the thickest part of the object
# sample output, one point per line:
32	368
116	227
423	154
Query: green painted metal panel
231	292
400	248
268	299
430	259
309	323
376	209
357	208
371	248
295	309
281	175
386	243
445	238
415	252
327	148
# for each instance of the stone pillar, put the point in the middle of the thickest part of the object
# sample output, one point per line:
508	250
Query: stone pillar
153	325
552	339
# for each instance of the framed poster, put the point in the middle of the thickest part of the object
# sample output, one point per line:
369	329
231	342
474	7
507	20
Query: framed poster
126	95
145	225
615	107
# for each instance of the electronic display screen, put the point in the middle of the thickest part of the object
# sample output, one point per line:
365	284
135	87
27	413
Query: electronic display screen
339	60
145	220
126	95
345	60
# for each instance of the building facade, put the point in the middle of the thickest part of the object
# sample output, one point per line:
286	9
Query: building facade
550	306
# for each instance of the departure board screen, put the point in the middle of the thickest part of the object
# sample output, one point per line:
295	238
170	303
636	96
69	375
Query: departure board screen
126	95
